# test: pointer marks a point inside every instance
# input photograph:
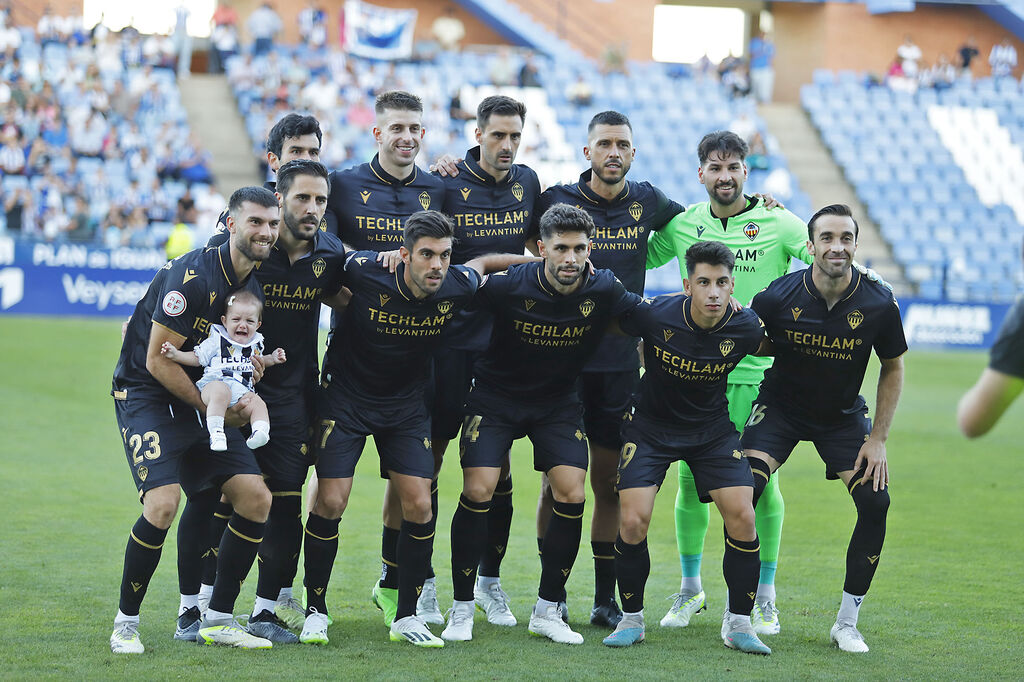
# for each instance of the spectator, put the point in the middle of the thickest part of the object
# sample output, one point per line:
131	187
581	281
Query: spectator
225	15
48	30
12	155
115	230
737	80
943	73
182	236
18	211
897	79
82	226
528	76
613	59
320	95
580	93
224	39
182	41
313	26
704	69
1003	59
455	110
967	52
448	30
909	54
762	70
264	24
503	70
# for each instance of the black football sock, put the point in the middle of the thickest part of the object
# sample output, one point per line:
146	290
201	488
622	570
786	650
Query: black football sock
321	546
414	547
499	523
141	557
193	539
214	532
633	566
433	511
868	536
469	526
389	558
561	544
741	566
237	552
604	571
762	472
282	535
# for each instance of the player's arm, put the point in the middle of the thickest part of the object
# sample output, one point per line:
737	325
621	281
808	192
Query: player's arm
168	372
339	301
276	358
446	166
766	348
660	246
986	401
872	453
496	262
189	358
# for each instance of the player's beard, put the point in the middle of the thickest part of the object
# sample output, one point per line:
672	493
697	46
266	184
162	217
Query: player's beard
424	284
295	224
733	193
608	178
247	249
566	277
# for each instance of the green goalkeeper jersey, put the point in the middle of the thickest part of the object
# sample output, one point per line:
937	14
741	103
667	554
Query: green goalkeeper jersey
764	243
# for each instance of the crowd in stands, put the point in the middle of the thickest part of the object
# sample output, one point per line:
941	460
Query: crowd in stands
94	143
909	71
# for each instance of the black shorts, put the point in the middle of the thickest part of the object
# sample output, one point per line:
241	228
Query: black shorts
286	459
606	397
401	434
776	433
554	427
168	443
714	456
453	375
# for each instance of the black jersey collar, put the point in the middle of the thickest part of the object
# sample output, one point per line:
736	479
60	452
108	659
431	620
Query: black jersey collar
472	164
689	321
546	287
386	177
813	290
584	188
224	262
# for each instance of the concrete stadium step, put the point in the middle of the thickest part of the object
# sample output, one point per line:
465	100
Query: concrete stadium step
214	117
821	178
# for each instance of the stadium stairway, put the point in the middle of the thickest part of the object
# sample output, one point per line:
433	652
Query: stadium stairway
213	115
822	180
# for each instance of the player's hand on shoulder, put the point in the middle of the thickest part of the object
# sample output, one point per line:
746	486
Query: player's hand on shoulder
390	259
735	304
446	166
872	275
769	201
872	456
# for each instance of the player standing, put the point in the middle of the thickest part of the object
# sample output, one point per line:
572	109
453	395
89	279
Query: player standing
823	323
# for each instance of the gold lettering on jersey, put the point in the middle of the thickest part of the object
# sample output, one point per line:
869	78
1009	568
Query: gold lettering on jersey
668	333
726	346
751	230
607	233
551	335
384	298
369	222
364	195
424	200
319	265
636	210
855	318
796	313
444	307
213	297
408	325
691	370
587	307
465	193
202	326
495	219
323	224
289	297
529	303
517	191
189	276
822	345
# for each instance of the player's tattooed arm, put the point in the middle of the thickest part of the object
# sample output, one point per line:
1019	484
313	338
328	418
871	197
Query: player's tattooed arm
986	401
168	372
872	453
446	166
189	358
276	358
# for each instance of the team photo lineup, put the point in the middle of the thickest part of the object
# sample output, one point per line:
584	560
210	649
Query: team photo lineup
470	307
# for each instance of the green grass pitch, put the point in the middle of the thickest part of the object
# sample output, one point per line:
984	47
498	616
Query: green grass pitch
945	603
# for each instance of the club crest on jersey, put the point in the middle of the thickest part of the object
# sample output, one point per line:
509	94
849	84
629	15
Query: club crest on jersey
587	307
636	210
465	193
700	230
323	227
444	307
751	230
364	195
796	313
174	303
517	191
668	333
143	473
424	200
426	443
579	435
855	318
384	298
319	265
529	303
726	346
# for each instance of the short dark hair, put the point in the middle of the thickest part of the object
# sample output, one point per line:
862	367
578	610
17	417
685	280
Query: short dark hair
432	224
287	173
609	118
500	105
561	218
841	210
244	296
261	196
292	125
710	253
397	100
725	142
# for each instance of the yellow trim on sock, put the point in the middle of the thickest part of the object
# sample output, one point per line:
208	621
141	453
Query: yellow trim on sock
468	508
314	535
245	537
566	516
389	563
222	516
425	537
287	493
146	545
729	542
